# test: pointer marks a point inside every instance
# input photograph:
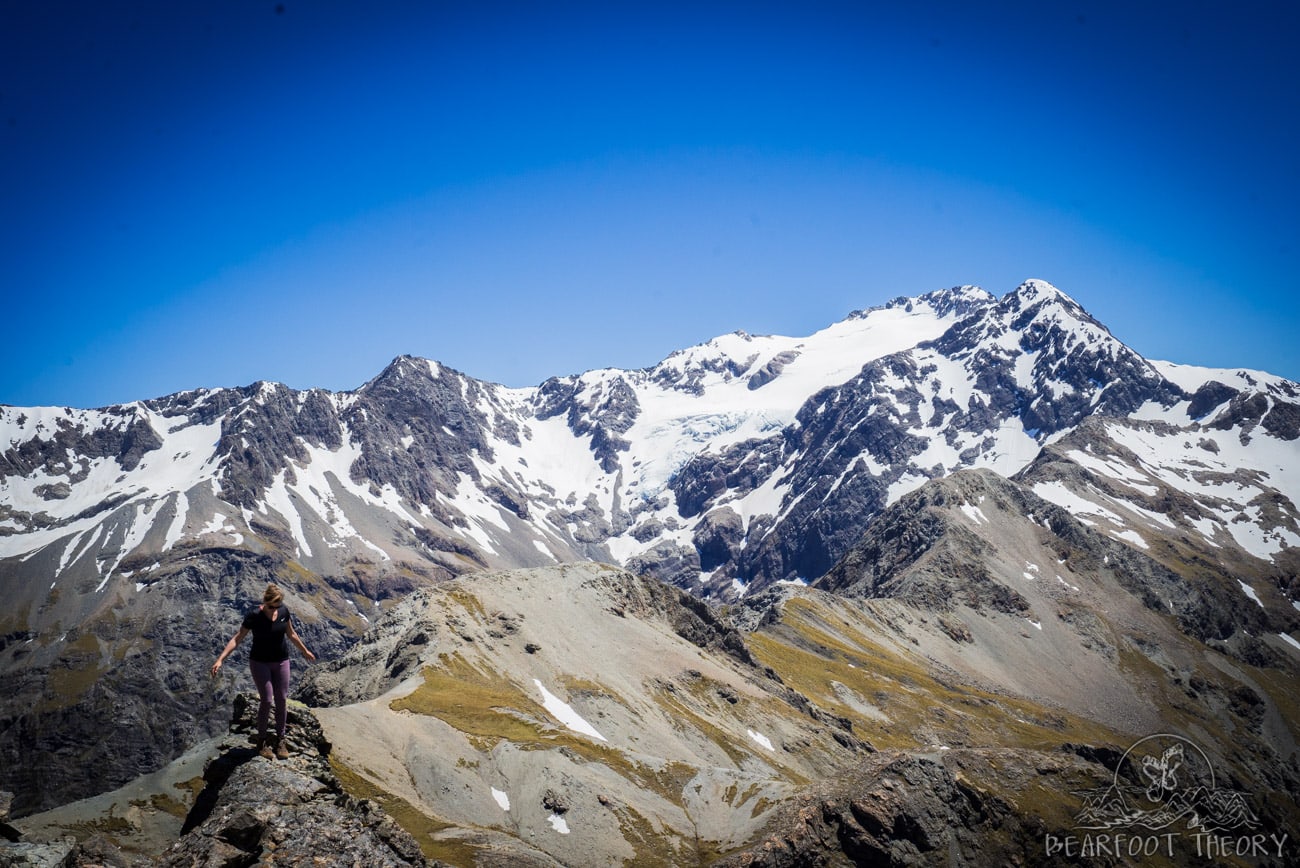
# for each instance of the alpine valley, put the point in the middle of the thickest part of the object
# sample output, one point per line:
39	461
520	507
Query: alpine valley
897	592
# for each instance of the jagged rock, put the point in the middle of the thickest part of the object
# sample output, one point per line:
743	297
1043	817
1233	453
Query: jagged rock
49	854
892	811
669	562
718	537
772	369
284	811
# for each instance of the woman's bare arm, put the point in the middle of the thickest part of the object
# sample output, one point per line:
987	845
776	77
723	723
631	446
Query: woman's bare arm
293	637
229	649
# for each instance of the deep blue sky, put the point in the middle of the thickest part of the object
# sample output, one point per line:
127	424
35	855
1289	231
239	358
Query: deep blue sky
213	193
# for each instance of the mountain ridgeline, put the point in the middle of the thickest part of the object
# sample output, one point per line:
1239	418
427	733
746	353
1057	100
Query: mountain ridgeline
959	467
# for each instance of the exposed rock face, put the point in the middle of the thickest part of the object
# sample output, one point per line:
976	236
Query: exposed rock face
289	812
894	810
983	544
250	811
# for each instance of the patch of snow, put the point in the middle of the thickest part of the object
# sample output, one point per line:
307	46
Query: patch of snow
502	799
561	711
1056	492
181	508
279	497
140	586
974	513
1191	377
905	484
1250	592
1285	637
1207	528
1037	624
761	739
71	548
1156	517
558	824
1131	536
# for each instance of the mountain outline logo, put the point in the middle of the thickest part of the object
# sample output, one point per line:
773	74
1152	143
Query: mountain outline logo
1164	782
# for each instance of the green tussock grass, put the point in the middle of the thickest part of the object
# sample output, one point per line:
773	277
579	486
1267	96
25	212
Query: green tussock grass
167	804
193	787
467	601
648	843
478	703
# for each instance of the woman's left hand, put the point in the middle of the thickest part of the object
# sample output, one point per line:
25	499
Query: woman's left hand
308	655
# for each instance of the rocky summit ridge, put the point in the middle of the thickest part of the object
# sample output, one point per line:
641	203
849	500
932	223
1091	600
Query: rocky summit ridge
936	462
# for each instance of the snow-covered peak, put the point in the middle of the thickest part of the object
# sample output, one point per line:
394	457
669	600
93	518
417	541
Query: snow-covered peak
1190	378
1044	302
1034	289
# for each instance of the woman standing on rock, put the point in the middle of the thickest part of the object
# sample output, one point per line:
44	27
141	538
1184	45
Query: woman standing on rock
270	624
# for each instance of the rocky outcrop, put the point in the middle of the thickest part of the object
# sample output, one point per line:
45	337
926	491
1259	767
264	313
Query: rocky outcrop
287	812
250	811
894	810
772	369
418	425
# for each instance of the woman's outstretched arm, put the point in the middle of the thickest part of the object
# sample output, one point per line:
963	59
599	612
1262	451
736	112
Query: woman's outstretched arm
230	647
293	637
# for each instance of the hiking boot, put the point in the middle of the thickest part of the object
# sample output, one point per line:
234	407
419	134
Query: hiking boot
282	749
265	751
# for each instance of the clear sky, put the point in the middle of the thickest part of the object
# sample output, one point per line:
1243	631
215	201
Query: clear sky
213	193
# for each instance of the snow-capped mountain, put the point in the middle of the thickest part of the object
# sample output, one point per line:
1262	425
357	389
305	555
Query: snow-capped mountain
129	535
734	464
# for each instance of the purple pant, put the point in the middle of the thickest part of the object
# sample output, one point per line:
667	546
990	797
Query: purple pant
272	680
